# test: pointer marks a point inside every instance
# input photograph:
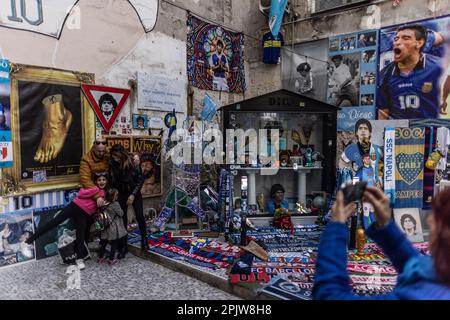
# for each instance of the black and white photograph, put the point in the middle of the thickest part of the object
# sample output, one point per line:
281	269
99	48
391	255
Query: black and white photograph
306	75
409	223
344	80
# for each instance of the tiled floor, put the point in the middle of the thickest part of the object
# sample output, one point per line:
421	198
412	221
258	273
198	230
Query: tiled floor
131	279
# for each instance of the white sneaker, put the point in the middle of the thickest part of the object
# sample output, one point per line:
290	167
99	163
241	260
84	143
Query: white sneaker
80	264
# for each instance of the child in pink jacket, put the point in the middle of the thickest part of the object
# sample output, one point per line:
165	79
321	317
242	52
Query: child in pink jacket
79	210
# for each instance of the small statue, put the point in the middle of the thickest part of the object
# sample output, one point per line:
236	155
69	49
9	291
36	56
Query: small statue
308	157
261	202
360	241
295	151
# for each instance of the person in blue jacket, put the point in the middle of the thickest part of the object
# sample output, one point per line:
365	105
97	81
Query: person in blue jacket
420	276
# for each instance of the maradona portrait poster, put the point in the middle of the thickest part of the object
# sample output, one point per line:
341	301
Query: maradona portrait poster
215	57
414	70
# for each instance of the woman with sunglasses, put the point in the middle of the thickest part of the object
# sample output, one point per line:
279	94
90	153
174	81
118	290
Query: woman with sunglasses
128	180
79	211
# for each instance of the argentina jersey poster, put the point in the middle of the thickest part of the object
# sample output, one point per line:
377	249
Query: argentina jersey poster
414	68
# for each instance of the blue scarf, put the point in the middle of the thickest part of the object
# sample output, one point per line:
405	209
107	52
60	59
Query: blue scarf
418	268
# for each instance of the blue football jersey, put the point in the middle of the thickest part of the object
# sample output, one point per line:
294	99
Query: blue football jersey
412	96
272	48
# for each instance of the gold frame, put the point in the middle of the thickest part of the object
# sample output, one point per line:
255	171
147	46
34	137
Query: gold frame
50	76
161	164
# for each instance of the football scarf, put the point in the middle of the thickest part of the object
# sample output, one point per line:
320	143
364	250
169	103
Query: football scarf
185	253
371	290
175	256
375	280
286	290
371	269
409	167
389	164
428	175
163	217
249	278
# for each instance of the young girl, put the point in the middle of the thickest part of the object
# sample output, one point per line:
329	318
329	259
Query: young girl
79	210
115	231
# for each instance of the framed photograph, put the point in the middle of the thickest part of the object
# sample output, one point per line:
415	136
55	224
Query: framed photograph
52	127
14	229
149	151
409	222
140	121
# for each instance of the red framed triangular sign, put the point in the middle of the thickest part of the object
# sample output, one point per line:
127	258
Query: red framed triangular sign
107	102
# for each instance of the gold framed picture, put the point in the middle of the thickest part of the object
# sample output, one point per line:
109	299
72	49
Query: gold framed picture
52	127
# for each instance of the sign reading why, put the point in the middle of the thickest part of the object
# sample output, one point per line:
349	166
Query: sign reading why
160	93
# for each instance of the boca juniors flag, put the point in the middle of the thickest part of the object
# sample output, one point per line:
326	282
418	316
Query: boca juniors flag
409	167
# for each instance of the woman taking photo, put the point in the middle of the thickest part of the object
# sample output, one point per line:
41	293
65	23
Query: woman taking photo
128	181
419	276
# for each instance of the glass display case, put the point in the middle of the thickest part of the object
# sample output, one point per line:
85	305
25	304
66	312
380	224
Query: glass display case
306	147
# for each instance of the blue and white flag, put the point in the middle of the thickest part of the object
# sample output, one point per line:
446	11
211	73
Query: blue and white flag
389	164
277	8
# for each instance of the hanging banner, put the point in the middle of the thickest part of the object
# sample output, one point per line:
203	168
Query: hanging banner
389	165
215	57
107	102
416	93
277	8
409	167
352	72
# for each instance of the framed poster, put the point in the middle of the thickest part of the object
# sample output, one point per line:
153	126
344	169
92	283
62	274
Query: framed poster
52	127
14	229
408	220
425	94
352	71
306	76
140	121
149	148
